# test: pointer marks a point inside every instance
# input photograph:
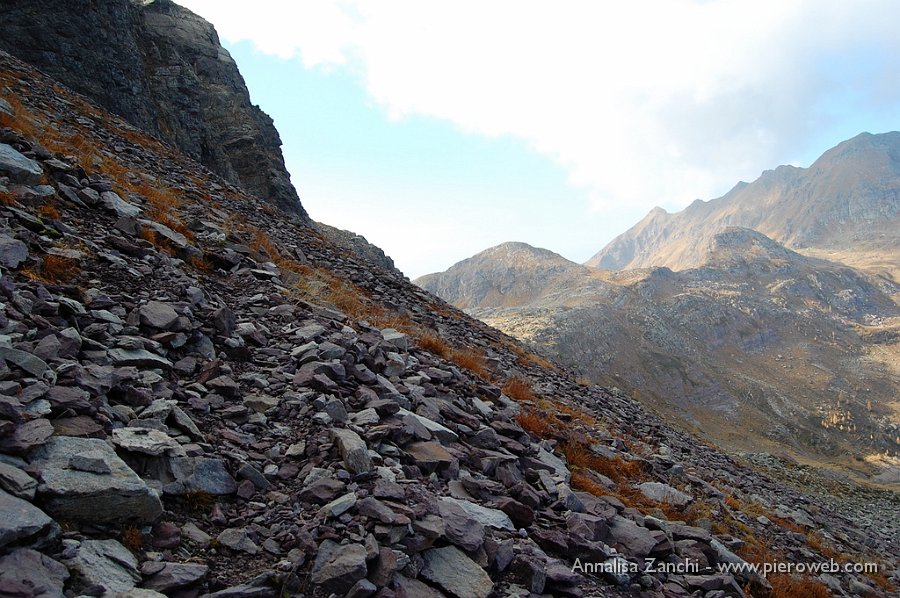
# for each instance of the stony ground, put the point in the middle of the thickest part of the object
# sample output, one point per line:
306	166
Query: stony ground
199	396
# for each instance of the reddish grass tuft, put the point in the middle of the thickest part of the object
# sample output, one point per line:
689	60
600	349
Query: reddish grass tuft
470	360
786	586
132	539
518	389
617	469
582	480
49	211
57	268
535	422
434	344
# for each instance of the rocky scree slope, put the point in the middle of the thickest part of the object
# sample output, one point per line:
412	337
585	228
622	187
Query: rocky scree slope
845	207
760	348
162	68
201	397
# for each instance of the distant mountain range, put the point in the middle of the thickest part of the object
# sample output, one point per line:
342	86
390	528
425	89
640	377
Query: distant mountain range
746	340
845	207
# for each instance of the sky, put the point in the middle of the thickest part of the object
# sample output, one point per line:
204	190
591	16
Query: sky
439	129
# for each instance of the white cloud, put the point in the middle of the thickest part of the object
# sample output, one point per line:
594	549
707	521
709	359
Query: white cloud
647	102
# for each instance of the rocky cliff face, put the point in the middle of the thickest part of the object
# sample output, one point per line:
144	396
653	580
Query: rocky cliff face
202	397
845	207
162	68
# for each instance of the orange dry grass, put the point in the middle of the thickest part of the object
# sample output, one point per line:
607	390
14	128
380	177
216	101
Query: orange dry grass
535	422
516	388
23	121
584	482
49	211
617	469
57	268
786	586
7	198
433	344
262	243
471	360
132	539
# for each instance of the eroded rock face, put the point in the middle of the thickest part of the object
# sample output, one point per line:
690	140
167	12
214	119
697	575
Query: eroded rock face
162	68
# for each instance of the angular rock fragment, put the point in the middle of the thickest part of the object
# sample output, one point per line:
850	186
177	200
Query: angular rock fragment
26	572
23	524
338	567
116	497
107	564
452	570
354	451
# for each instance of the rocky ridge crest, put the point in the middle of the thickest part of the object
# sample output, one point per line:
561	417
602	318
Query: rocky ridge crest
845	207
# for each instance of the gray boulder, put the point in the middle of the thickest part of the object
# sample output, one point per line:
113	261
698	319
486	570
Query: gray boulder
353	450
86	496
17	167
23	524
105	563
338	567
664	493
27	572
453	571
12	252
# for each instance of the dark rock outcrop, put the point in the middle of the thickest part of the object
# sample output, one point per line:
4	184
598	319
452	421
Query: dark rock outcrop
162	68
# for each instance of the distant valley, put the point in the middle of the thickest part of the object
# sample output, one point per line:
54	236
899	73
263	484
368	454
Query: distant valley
756	343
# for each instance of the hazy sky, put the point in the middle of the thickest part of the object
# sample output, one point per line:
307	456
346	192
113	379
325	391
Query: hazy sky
438	129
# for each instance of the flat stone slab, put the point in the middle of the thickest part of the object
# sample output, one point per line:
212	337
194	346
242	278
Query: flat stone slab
106	563
338	567
23	524
484	515
119	496
17	167
664	493
439	431
450	569
30	569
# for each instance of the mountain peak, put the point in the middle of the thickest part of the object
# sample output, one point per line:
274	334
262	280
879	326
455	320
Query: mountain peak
846	204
